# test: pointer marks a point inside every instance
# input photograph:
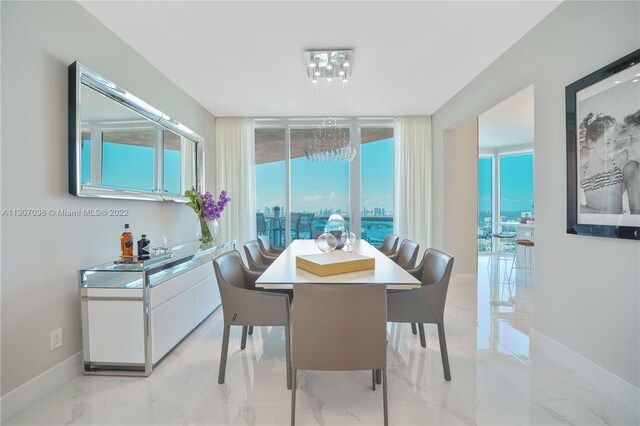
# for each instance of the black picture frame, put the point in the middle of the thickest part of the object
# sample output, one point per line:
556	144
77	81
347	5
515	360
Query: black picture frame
573	227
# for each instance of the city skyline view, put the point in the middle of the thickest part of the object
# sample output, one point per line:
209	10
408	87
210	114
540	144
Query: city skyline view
318	187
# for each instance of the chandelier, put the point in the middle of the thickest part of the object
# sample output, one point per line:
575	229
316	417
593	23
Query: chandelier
330	141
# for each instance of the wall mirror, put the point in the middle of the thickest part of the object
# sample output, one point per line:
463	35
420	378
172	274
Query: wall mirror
122	147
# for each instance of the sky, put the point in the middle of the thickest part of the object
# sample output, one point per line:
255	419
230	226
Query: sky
320	185
131	167
516	183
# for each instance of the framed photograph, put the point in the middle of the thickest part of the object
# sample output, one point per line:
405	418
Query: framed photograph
603	151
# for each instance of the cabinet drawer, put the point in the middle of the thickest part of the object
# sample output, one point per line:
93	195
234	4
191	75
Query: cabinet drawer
168	289
170	322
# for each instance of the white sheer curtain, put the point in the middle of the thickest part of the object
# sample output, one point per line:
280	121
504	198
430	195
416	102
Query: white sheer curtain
412	154
234	160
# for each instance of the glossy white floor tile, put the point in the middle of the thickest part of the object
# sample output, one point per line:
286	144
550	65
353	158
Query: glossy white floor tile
496	378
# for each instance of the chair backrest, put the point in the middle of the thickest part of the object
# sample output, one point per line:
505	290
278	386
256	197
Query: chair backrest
389	244
339	327
254	257
228	269
436	273
261	224
305	221
408	254
242	305
264	243
295	220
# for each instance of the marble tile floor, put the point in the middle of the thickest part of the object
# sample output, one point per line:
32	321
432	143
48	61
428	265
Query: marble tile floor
496	378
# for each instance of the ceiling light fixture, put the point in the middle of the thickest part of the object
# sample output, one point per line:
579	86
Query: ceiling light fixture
328	64
331	138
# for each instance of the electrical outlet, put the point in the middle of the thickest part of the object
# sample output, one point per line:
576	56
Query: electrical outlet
56	338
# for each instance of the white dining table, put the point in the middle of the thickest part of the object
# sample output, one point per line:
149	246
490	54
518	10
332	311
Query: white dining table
283	273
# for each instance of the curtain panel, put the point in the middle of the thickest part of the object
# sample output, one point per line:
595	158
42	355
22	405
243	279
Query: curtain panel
234	171
413	154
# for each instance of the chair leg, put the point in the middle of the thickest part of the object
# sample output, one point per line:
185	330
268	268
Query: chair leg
373	379
443	352
423	339
384	397
250	330
243	342
378	377
287	343
293	397
223	354
414	330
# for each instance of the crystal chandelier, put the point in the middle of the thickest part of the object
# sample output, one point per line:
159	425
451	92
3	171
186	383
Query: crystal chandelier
330	142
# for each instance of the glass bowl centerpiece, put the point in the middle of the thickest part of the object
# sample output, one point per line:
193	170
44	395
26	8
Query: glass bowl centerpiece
336	225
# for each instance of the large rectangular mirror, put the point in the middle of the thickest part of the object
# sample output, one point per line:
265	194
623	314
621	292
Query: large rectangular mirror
122	147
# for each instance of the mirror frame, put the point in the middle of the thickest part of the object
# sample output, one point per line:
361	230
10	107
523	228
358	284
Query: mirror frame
79	75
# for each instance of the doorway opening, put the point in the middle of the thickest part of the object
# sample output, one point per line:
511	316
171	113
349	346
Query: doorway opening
506	209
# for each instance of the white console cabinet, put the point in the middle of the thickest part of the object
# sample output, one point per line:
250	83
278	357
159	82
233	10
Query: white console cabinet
134	314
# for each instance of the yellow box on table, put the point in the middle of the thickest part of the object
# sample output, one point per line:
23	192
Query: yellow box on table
336	262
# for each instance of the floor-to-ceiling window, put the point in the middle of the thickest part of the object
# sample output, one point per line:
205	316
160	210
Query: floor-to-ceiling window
308	192
270	184
318	189
485	202
377	183
516	186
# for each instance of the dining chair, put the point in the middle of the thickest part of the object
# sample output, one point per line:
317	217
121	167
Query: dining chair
242	306
295	221
339	328
304	224
406	255
389	245
266	247
425	304
257	261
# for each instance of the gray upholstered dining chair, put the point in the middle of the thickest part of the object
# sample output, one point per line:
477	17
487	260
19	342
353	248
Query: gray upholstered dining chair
425	304
389	245
242	306
258	261
267	248
406	255
339	328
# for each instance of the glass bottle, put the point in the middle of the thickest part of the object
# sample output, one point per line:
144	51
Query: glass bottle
126	243
143	248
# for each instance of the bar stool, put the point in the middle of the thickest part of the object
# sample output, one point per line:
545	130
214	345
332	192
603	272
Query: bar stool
502	237
527	245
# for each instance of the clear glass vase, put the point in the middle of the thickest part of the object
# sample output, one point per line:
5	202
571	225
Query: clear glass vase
206	230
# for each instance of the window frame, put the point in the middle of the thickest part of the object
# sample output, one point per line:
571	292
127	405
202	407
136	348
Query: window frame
355	124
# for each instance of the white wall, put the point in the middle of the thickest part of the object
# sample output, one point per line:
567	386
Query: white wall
41	256
587	289
461	202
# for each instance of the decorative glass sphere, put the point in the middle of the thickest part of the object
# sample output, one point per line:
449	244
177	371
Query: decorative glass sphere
326	242
348	238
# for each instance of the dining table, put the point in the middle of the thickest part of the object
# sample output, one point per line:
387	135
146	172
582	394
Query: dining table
284	274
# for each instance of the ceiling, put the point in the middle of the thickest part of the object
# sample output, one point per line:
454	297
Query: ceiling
509	123
246	58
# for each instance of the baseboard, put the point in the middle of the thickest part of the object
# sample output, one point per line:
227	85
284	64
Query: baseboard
40	385
616	387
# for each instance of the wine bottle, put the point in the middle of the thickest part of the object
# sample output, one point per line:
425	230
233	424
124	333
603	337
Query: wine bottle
143	248
126	244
